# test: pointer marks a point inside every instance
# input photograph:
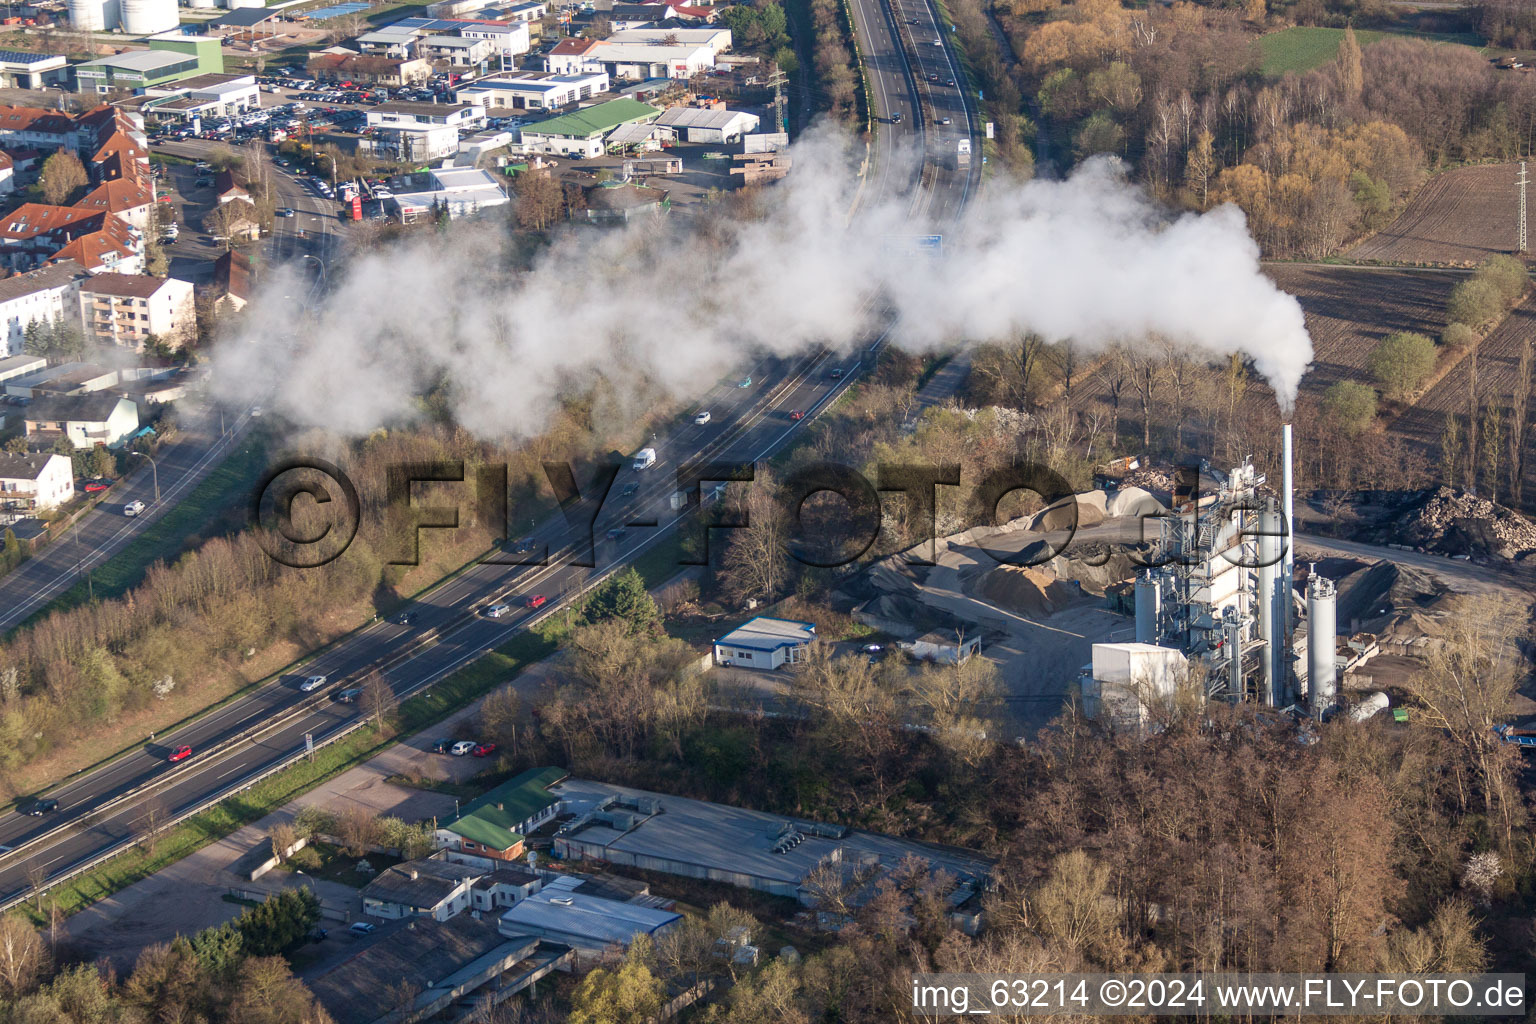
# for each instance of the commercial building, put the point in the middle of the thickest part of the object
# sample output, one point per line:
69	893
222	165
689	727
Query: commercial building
40	296
637	54
765	643
533	90
171	57
561	912
35	482
86	420
581	133
431	888
622	201
751	849
63	379
461	191
461	961
493	825
411	115
203	96
12	367
22	70
709	125
127	310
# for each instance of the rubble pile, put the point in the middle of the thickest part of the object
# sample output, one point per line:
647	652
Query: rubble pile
1155	480
1454	522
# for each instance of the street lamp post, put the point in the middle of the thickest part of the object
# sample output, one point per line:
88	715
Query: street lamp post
153	469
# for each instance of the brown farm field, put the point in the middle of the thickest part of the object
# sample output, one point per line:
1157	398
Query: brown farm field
1350	309
1460	217
1498	360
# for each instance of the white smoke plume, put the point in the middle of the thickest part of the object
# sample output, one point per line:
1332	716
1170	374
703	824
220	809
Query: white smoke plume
673	305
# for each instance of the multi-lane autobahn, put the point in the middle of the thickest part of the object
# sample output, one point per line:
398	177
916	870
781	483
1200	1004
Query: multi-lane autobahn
103	810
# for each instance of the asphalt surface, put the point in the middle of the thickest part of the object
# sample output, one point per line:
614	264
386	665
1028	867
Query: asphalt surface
749	423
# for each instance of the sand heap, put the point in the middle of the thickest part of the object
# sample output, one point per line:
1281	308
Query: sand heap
1027	590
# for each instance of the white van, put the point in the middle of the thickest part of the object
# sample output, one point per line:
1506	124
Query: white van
645	458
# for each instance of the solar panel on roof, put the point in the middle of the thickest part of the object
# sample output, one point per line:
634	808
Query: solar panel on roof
23	57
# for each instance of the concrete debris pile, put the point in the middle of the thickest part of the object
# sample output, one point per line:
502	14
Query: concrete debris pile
1159	482
1453	522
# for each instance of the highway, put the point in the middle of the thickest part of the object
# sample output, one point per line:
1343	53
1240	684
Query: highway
103	810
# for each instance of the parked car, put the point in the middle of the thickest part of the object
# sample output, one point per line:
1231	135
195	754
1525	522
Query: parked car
536	600
462	747
484	749
181	753
361	928
311	684
442	746
701	418
496	611
133	508
96	486
348	696
42	807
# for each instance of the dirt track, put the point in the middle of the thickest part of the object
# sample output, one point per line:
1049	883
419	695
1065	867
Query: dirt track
1459	217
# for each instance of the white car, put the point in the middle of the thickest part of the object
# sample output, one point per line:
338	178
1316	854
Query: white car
461	748
255	410
133	508
311	684
701	419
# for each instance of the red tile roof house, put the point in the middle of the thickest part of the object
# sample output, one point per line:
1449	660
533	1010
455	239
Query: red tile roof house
100	241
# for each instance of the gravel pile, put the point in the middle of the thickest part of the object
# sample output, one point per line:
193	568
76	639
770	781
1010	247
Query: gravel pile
1456	522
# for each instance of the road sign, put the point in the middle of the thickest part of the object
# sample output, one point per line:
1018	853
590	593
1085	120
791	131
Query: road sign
309	743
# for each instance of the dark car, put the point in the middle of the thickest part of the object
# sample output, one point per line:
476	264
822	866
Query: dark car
441	746
348	696
403	618
42	807
836	373
629	488
617	533
524	545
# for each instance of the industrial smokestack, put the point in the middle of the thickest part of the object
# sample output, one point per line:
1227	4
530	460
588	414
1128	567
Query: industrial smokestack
1149	599
1287	577
1270	610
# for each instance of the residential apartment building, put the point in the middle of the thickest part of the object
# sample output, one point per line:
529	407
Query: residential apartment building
86	420
126	310
40	296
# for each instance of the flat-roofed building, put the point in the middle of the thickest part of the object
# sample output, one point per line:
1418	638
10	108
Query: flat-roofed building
533	90
766	643
704	124
20	69
561	912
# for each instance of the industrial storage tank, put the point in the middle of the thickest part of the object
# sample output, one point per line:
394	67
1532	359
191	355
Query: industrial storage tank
201	5
148	17
1322	664
93	15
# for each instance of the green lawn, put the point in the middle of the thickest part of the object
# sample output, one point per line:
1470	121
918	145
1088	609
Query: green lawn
1302	49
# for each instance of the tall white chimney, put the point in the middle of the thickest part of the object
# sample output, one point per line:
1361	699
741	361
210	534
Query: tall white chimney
1287	572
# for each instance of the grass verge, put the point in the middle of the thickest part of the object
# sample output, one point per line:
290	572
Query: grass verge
415	714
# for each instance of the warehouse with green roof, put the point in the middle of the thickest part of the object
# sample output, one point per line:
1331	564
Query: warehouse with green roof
495	823
582	133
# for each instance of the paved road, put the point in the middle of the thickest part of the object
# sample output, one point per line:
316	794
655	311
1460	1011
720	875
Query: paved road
206	436
747	424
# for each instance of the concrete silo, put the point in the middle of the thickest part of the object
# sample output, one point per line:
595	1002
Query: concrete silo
148	17
93	15
1322	667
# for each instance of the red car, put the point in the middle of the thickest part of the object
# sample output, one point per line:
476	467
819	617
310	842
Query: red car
93	486
484	749
181	753
797	415
536	601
